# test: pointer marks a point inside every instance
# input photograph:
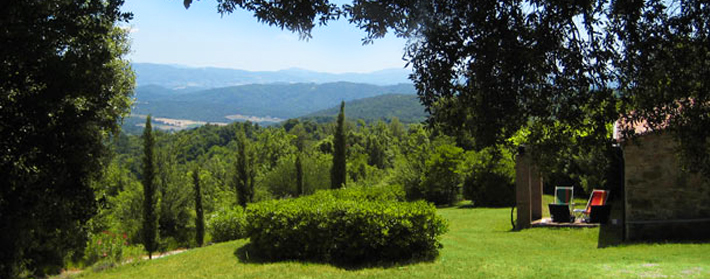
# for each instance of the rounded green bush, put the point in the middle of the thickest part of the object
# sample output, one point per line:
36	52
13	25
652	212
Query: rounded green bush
227	224
347	226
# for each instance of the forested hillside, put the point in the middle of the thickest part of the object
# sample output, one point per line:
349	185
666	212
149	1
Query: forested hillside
403	106
276	100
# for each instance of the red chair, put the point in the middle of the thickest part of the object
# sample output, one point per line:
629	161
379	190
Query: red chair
597	198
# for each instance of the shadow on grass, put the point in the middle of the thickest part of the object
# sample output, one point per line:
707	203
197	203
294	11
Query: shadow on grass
610	235
250	255
611	232
471	205
466	206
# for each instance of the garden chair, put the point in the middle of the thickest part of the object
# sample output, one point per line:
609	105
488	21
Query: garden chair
564	195
598	198
562	205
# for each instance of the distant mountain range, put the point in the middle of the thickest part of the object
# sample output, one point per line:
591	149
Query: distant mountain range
191	78
268	102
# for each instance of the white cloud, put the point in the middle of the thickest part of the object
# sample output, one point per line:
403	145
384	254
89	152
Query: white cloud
130	29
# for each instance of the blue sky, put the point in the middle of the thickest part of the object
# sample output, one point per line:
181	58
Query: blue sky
162	31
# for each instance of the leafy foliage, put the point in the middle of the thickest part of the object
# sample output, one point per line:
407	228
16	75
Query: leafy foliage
64	86
490	177
346	226
295	16
430	169
442	179
282	180
410	165
120	198
370	193
111	247
227	224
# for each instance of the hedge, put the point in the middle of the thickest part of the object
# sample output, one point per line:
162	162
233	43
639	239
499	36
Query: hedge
227	224
360	193
346	226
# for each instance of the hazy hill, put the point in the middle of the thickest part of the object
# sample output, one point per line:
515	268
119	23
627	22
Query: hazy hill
406	107
273	100
179	77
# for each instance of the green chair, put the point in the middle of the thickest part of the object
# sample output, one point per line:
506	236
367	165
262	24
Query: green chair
564	195
561	207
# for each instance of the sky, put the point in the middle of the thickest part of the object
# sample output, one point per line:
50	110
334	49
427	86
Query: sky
164	32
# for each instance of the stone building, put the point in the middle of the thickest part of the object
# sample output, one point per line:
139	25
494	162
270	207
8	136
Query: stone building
661	200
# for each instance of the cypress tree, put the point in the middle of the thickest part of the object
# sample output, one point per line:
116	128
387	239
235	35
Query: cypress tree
299	175
244	178
338	172
200	218
150	220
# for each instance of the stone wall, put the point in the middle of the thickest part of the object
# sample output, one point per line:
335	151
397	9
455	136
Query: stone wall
528	193
662	201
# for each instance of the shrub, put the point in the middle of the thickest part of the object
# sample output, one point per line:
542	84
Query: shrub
227	224
491	178
442	176
430	171
345	226
109	248
281	180
360	193
489	189
408	172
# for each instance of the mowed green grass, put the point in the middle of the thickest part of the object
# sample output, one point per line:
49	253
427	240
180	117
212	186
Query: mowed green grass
479	244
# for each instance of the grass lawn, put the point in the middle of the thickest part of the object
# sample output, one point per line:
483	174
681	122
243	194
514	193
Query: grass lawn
479	244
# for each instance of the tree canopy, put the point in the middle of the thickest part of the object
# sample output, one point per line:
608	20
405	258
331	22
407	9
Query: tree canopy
64	86
555	73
